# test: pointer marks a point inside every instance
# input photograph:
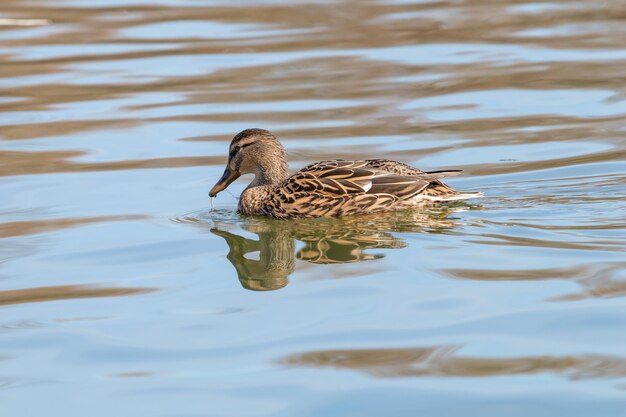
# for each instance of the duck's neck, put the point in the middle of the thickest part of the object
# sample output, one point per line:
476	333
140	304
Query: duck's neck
254	198
272	174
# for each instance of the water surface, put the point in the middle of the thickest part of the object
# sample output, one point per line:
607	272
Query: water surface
123	293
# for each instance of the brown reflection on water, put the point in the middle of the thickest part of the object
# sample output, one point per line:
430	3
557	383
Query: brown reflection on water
443	361
326	241
27	163
20	228
328	51
596	280
65	292
339	24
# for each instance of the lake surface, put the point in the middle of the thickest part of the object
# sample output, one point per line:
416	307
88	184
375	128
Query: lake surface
122	293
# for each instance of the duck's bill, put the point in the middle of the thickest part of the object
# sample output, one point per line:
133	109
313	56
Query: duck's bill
228	177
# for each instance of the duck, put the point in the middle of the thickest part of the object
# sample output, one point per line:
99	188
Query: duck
333	188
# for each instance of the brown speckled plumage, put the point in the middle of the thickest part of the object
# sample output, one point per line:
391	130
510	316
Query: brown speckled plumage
328	188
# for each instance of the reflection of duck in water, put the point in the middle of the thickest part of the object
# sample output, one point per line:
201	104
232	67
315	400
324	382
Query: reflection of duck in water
275	261
325	241
329	188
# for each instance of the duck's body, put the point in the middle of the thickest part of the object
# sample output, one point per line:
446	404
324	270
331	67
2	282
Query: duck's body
343	188
329	188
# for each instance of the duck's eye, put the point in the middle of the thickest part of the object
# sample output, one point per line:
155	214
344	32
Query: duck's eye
236	149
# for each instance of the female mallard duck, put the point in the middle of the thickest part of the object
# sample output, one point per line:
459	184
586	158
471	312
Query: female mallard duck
327	188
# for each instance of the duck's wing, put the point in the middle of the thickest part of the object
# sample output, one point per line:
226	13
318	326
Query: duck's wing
400	168
351	178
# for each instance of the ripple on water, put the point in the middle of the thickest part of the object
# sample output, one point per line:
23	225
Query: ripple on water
210	217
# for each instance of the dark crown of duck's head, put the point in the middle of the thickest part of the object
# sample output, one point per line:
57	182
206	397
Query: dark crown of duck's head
251	135
259	143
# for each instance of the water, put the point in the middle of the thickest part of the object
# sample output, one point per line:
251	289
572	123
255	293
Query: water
123	293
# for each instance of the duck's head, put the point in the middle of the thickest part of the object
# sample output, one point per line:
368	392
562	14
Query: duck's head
254	151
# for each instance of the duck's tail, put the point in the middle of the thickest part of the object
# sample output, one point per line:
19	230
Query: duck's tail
438	191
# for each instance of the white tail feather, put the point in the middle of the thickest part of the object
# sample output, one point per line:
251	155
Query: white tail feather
452	197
